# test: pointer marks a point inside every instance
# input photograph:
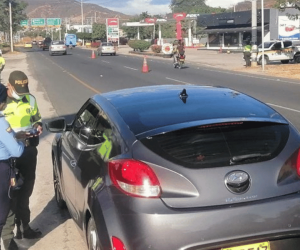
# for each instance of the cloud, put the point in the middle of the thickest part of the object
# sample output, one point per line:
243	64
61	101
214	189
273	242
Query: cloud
132	7
222	3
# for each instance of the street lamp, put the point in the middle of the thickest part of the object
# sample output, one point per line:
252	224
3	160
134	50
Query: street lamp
10	27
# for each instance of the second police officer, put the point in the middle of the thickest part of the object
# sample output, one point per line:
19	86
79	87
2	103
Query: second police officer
23	114
9	147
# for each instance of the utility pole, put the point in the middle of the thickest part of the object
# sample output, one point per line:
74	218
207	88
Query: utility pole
254	33
10	27
82	21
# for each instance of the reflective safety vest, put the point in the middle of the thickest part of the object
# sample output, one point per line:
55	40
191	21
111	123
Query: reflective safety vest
22	114
2	61
247	48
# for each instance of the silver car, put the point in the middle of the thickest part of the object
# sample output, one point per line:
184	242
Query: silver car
106	48
179	168
57	47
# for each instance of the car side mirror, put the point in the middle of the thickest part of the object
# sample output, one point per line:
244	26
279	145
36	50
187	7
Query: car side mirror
57	126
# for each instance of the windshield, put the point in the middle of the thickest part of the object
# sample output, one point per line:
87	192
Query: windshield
266	45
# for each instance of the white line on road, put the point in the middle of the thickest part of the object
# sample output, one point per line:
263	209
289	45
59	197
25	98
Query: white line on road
130	68
105	61
295	110
179	81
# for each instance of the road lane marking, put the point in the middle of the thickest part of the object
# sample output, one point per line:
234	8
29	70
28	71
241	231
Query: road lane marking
105	61
295	110
179	81
74	77
130	68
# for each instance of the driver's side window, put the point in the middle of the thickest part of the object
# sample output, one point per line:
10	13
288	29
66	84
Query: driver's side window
277	46
85	121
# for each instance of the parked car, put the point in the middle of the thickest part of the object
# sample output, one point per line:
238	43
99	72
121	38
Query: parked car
106	48
279	50
179	167
28	45
57	47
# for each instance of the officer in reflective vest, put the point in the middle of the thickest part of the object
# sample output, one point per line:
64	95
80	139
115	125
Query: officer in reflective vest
23	114
9	147
247	54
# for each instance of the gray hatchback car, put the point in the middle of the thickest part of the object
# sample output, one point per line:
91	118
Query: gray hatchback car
179	168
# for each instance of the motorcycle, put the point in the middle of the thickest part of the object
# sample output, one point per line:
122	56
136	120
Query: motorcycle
180	61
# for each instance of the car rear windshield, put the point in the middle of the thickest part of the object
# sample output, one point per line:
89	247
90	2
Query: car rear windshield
107	44
57	42
217	145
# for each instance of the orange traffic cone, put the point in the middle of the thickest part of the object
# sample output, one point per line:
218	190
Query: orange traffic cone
145	68
93	54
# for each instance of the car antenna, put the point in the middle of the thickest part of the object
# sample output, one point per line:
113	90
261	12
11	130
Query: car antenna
183	95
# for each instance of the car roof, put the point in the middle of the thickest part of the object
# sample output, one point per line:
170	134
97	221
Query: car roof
146	109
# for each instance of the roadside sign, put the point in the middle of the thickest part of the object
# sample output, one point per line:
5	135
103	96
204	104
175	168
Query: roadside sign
112	22
112	30
38	22
53	22
24	23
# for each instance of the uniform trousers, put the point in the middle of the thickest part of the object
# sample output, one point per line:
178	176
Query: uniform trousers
4	188
19	211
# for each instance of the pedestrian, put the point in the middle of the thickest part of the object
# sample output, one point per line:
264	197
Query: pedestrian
175	52
23	114
247	54
2	63
9	147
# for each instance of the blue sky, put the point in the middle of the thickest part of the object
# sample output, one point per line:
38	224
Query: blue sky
132	7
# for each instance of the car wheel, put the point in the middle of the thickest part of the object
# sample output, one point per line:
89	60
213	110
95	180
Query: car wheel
285	61
92	236
57	188
297	58
114	54
266	60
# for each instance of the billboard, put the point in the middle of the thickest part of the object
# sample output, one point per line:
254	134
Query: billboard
288	28
112	30
112	22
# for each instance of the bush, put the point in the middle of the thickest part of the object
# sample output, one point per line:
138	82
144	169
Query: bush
156	48
139	45
95	44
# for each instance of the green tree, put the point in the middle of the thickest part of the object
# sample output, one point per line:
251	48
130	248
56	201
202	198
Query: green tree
193	7
283	4
84	35
99	31
18	14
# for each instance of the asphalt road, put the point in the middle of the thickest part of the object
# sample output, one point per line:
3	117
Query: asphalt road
70	80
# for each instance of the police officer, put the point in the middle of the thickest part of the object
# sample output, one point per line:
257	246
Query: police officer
2	63
23	114
247	54
9	147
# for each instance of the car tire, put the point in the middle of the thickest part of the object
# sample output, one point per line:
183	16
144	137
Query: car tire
297	58
266	60
57	188
114	54
92	236
285	61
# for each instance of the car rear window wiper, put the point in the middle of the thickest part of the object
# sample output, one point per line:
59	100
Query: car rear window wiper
248	157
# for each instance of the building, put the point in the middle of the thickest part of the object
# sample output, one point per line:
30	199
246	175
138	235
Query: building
233	30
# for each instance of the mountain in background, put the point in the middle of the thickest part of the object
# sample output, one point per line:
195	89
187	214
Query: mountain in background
247	5
70	11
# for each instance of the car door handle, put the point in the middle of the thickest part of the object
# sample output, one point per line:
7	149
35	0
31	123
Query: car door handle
73	163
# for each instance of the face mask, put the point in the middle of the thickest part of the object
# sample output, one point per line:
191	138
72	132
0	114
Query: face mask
15	95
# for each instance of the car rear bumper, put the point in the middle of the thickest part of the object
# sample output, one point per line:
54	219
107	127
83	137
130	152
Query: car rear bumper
149	224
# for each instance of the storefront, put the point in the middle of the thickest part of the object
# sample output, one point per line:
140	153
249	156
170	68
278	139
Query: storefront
233	30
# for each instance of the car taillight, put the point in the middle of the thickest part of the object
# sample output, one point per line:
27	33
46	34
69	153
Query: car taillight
64	47
294	161
298	163
117	244
51	47
134	178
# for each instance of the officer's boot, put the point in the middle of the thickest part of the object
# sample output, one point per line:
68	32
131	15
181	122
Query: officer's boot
29	233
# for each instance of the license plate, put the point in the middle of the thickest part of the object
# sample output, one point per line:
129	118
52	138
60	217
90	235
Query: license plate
257	246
